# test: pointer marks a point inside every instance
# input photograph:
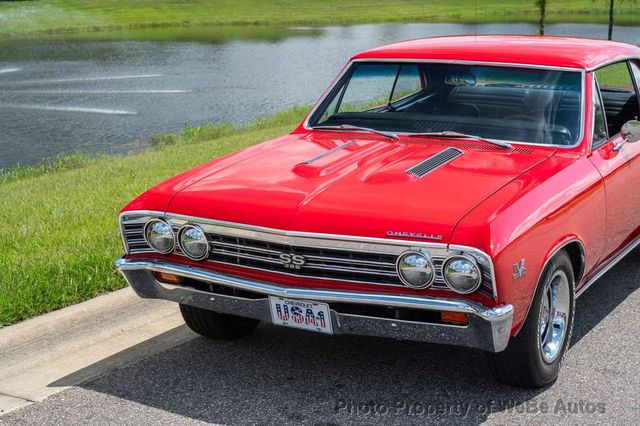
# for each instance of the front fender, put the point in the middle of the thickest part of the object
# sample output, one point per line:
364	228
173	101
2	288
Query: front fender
559	201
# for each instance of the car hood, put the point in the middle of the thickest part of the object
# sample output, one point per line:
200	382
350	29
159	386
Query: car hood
316	183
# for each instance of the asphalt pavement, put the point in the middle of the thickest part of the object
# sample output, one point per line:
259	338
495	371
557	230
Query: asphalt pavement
280	376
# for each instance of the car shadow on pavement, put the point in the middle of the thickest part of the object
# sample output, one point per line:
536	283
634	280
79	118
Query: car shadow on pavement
286	376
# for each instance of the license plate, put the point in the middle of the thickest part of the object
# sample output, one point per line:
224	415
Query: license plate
302	314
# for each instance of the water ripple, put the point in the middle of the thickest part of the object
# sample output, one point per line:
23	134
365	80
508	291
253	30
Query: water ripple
8	70
70	109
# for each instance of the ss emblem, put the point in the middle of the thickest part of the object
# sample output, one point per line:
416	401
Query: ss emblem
292	261
519	269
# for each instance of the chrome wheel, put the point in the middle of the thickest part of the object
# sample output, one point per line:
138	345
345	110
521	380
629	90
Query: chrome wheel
554	314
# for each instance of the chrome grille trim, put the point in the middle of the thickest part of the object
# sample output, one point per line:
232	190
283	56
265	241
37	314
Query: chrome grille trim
339	254
435	161
132	229
216	244
353	266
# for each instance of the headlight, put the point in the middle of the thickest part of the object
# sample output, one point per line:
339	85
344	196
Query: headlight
415	269
462	274
193	242
159	235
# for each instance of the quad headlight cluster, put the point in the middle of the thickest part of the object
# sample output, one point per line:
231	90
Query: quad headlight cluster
191	239
415	268
461	273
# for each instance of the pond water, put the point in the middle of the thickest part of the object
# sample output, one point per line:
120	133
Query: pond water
99	92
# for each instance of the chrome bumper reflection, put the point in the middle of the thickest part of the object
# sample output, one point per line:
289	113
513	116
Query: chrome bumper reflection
488	329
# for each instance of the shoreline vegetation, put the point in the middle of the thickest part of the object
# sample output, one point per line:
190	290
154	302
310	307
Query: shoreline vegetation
63	16
60	236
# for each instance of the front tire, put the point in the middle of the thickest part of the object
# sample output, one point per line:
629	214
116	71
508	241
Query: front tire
215	325
534	356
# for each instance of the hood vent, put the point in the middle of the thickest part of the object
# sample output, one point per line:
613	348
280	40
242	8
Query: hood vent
433	162
332	150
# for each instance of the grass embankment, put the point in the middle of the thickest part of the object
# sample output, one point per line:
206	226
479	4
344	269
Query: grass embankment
91	15
59	236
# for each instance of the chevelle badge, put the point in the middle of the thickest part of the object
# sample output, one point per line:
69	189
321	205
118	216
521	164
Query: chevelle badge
414	235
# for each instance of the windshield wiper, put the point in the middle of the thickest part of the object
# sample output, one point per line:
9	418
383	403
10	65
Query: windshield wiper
445	134
390	135
456	135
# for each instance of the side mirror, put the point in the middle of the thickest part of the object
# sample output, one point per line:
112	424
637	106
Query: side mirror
630	133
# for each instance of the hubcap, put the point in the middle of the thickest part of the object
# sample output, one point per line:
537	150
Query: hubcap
554	315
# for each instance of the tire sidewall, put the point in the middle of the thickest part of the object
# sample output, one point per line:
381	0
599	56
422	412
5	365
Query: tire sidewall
549	371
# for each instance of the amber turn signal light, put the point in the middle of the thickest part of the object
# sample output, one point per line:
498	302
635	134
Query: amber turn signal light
454	318
167	278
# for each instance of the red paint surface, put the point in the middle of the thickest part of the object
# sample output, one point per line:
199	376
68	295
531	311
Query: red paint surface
510	204
532	50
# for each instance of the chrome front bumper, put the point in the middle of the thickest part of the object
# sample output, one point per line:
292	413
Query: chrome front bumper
488	329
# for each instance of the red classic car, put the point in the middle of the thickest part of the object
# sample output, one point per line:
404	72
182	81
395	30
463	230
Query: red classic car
457	190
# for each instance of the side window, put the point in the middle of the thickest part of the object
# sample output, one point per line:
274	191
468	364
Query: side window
599	121
619	98
615	76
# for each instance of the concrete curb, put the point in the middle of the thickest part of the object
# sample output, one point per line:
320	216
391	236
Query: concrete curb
46	354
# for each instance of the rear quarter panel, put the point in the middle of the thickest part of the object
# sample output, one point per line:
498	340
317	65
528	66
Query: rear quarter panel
557	201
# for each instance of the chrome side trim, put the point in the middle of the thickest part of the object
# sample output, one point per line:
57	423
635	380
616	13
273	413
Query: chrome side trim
347	68
613	262
489	329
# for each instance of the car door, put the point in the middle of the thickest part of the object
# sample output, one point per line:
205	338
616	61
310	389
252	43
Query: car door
616	102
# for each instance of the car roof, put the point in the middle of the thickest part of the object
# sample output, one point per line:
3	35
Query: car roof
547	51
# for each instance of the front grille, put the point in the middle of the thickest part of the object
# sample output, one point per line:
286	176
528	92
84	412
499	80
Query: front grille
339	260
342	265
132	229
319	263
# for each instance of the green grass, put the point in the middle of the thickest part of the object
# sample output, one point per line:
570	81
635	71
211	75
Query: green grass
92	15
47	165
59	236
616	75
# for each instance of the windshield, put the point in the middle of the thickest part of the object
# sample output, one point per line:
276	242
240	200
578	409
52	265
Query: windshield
500	103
